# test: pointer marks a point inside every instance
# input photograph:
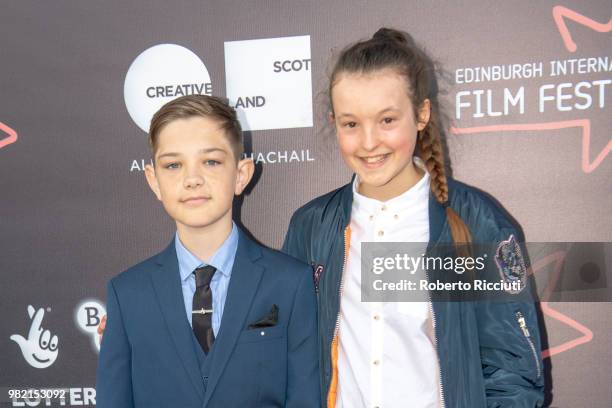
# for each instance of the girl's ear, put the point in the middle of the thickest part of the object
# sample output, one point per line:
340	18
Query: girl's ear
423	114
331	117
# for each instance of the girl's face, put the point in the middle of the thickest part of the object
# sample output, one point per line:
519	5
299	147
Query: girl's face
377	131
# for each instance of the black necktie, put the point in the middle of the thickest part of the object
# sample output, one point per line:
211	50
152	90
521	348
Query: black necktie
201	318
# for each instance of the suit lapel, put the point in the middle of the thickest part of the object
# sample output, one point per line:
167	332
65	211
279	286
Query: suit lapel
242	288
167	286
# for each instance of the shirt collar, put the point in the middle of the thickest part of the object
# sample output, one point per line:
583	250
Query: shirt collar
401	202
222	259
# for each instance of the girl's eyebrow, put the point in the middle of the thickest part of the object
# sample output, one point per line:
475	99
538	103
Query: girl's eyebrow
389	109
385	110
344	115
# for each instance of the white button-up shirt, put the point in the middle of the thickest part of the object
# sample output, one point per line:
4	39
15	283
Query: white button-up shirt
386	352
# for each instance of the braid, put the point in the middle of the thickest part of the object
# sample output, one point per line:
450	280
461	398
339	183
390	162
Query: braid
432	154
430	147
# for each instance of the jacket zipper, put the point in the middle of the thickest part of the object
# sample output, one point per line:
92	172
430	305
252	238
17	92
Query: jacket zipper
347	245
523	325
435	333
341	288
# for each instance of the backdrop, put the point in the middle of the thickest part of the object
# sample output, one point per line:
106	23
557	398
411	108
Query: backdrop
527	91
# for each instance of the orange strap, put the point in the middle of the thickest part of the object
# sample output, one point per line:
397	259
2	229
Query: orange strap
333	386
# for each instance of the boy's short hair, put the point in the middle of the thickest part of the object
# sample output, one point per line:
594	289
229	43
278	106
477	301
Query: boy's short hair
205	106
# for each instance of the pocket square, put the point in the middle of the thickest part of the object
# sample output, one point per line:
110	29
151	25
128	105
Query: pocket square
268	320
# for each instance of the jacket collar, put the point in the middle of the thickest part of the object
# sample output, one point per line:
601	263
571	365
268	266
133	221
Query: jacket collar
345	196
437	219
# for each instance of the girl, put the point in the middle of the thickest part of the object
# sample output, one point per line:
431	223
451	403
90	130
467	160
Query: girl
452	354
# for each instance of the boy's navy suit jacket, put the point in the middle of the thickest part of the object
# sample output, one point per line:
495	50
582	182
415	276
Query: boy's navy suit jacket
147	358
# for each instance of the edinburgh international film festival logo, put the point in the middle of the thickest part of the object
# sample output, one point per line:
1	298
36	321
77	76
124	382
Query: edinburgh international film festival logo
160	74
568	91
269	82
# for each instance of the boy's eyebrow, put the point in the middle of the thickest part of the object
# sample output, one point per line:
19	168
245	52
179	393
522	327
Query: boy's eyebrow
213	149
168	155
208	150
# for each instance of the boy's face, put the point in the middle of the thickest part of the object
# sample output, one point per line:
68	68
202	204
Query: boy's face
196	175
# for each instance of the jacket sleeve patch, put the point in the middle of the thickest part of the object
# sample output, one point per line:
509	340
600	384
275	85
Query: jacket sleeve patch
510	263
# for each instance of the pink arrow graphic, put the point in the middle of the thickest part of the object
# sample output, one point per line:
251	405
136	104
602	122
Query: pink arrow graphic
557	258
12	135
561	13
585	124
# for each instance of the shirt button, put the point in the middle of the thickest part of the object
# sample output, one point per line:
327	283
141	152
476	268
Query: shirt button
371	217
376	362
396	216
381	233
384	208
376	317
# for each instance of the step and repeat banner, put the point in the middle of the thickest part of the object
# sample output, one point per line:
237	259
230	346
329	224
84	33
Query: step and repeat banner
527	88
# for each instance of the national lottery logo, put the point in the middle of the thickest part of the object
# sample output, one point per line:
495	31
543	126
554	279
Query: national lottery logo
40	347
88	316
160	74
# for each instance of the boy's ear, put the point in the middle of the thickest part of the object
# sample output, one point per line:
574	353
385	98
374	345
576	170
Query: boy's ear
424	114
246	168
152	180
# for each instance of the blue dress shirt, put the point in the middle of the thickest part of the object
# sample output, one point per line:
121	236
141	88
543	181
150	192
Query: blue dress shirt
223	260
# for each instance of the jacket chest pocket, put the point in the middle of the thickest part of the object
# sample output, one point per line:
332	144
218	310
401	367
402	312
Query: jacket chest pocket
262	334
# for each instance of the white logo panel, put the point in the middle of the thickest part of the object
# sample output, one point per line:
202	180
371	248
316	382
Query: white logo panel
160	74
269	82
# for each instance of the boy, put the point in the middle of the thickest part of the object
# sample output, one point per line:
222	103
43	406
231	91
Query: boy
214	320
